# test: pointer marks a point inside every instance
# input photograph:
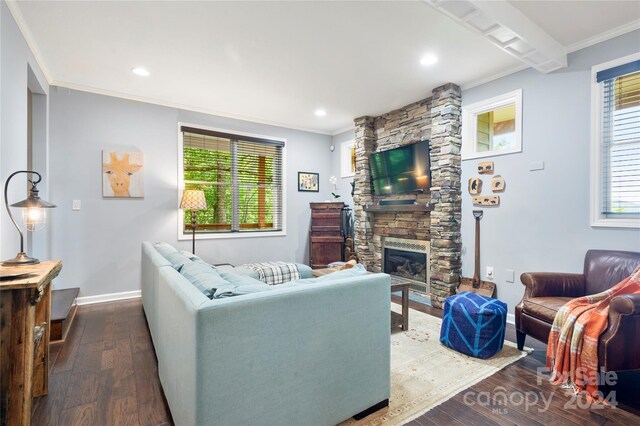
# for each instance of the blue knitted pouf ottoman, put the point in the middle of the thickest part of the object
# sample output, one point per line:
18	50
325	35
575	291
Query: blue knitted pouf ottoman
473	324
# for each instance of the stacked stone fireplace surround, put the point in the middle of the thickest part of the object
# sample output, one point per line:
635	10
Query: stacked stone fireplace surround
436	118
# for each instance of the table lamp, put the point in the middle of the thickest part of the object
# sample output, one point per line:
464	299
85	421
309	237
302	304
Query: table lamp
33	216
193	199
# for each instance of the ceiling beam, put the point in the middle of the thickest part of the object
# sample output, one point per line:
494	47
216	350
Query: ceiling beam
507	28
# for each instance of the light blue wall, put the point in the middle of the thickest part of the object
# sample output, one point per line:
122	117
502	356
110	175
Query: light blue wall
100	244
542	223
344	184
15	60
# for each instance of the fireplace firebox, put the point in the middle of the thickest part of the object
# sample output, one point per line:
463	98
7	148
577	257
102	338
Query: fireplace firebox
408	259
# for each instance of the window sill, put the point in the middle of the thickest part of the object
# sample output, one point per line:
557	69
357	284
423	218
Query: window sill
615	223
232	235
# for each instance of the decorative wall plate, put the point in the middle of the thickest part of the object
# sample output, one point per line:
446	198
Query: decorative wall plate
485	167
475	185
497	183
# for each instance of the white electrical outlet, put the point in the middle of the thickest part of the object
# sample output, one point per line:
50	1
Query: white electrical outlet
489	272
76	205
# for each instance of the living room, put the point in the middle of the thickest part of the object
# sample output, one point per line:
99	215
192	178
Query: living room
286	81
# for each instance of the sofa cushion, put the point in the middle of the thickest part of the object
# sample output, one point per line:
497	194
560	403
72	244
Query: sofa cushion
304	270
239	278
191	256
240	289
544	308
203	277
177	260
357	270
164	249
239	270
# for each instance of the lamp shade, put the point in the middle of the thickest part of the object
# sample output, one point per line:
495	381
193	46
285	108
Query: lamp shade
193	199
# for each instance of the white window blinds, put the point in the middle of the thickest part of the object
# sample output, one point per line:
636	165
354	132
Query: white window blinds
620	141
241	177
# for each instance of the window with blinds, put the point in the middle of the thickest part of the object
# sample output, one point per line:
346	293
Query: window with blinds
620	141
241	177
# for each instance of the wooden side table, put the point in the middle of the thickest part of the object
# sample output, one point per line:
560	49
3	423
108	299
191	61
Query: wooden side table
398	284
25	318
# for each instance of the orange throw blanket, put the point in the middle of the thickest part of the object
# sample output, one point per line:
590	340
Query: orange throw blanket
572	351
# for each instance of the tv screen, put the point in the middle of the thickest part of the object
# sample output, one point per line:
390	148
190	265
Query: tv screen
401	170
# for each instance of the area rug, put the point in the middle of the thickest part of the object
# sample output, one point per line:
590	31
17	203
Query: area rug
424	373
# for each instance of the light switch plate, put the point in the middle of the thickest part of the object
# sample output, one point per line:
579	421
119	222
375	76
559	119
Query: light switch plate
509	275
76	205
536	165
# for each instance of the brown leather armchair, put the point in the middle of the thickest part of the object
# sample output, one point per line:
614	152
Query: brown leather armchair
545	293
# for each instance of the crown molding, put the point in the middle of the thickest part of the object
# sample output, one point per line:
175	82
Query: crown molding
154	101
344	129
607	35
28	37
504	73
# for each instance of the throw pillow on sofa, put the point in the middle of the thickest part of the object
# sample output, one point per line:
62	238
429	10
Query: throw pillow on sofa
164	248
191	256
357	270
239	278
240	289
239	284
177	260
204	277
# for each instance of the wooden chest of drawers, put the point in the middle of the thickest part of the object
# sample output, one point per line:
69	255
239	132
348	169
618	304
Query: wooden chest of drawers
326	239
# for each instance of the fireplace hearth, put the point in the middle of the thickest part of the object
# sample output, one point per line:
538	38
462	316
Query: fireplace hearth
408	259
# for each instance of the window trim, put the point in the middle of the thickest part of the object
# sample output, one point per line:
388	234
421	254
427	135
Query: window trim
595	187
470	122
228	235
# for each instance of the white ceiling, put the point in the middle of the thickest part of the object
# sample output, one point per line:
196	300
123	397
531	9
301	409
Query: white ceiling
277	62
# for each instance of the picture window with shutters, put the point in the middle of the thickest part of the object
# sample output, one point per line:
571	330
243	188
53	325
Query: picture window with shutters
615	171
242	178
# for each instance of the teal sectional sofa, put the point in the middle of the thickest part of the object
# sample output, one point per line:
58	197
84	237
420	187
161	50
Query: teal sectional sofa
315	352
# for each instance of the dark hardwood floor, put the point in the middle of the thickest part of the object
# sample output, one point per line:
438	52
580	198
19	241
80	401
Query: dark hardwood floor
106	374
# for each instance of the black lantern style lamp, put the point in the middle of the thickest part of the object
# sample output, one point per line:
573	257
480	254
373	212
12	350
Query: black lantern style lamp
33	216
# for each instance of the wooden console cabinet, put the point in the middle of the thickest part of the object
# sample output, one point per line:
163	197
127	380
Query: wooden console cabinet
326	241
25	318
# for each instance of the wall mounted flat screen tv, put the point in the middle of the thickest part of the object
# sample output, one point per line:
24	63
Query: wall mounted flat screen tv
401	170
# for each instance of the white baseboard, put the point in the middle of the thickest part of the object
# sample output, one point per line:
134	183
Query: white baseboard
111	297
511	319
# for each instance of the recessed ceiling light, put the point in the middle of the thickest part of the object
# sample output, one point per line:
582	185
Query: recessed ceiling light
429	59
142	72
320	113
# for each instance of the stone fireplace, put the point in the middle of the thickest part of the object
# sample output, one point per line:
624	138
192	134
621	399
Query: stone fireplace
434	216
408	259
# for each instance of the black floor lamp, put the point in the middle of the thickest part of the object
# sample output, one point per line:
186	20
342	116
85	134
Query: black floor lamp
193	199
33	216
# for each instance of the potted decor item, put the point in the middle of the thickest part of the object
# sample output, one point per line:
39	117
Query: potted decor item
333	181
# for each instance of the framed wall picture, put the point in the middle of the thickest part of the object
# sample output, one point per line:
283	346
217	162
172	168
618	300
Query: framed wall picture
122	174
308	182
347	159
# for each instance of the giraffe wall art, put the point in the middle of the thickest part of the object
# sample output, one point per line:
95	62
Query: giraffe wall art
122	174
